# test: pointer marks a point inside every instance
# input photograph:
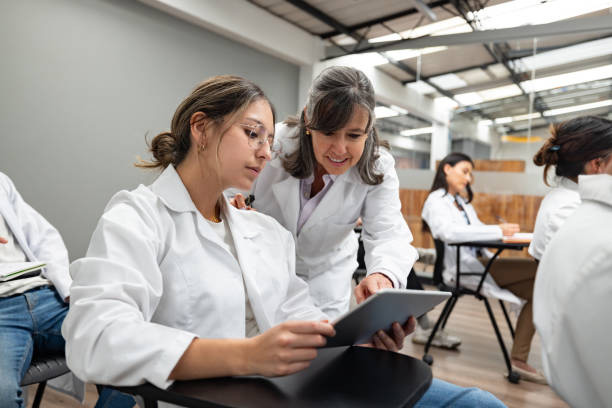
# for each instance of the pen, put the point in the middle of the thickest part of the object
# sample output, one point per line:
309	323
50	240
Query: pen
249	200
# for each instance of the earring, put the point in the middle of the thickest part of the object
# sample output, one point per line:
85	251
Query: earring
201	147
308	132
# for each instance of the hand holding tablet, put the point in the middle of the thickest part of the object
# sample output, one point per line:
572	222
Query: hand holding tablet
379	311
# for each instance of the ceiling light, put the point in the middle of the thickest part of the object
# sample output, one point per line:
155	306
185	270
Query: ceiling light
501	121
469	98
576	77
519	118
448	81
566	55
453	23
499	92
421	87
531	12
399	55
399	109
384	112
485	122
535	115
446	103
576	108
414	132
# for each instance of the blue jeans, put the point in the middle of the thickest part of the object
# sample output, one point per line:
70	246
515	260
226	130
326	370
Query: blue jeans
443	394
31	323
28	322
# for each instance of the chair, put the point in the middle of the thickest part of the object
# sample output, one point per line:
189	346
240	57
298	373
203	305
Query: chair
43	368
458	291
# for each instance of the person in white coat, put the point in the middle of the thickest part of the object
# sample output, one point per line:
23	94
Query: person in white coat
177	284
451	218
332	169
573	298
31	308
575	147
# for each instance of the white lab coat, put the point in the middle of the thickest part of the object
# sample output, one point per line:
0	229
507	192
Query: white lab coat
38	239
572	300
156	275
448	224
40	242
558	204
327	246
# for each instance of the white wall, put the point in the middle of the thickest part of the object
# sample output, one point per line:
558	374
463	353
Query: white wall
83	81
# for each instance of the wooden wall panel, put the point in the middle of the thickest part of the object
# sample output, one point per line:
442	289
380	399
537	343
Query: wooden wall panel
491	209
511	166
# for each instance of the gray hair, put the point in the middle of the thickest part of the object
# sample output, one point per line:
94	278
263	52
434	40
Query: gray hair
333	97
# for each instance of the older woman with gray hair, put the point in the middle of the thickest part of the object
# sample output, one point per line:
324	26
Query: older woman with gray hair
333	169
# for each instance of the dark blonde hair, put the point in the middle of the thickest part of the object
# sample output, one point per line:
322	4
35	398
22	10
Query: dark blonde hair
573	143
221	98
333	97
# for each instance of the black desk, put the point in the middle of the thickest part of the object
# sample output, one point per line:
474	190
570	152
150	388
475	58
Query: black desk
458	291
338	377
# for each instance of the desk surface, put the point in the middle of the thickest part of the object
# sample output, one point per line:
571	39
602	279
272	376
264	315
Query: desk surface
493	244
338	377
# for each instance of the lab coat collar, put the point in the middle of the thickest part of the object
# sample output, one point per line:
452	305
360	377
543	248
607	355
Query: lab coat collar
597	187
567	183
170	189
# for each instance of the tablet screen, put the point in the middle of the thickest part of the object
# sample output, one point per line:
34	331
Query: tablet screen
379	311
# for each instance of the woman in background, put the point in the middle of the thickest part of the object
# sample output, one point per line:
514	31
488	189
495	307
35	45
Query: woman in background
451	218
577	146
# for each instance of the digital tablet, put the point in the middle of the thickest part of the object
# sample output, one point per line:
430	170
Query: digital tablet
379	311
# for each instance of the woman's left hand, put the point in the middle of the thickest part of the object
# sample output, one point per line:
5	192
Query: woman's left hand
393	341
370	285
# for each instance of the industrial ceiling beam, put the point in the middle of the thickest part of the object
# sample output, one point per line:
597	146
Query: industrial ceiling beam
321	16
384	19
512	56
578	26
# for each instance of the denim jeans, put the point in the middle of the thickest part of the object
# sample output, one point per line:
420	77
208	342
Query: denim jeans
28	322
442	394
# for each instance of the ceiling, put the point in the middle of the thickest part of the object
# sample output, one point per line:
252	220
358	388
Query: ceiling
509	80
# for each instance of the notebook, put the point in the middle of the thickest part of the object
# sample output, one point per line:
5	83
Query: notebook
19	270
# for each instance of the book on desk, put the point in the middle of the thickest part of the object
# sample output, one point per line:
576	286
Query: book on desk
519	238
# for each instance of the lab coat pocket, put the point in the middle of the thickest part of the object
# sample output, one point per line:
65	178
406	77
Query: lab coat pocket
175	304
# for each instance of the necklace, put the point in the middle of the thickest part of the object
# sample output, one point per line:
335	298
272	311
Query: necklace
214	219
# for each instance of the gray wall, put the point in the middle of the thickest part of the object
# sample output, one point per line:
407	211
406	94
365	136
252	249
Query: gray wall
82	82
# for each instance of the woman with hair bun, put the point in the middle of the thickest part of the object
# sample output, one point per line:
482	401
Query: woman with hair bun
577	146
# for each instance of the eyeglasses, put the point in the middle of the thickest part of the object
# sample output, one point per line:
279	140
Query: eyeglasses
258	136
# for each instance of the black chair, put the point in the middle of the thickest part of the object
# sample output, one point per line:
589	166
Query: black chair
458	291
42	369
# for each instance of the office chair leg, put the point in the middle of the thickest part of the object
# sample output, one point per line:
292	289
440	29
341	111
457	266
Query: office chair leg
512	376
450	310
426	357
39	394
503	307
150	403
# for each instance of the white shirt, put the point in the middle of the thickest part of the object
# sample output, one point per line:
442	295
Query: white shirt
326	246
448	224
36	237
572	300
156	275
12	252
558	204
222	230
